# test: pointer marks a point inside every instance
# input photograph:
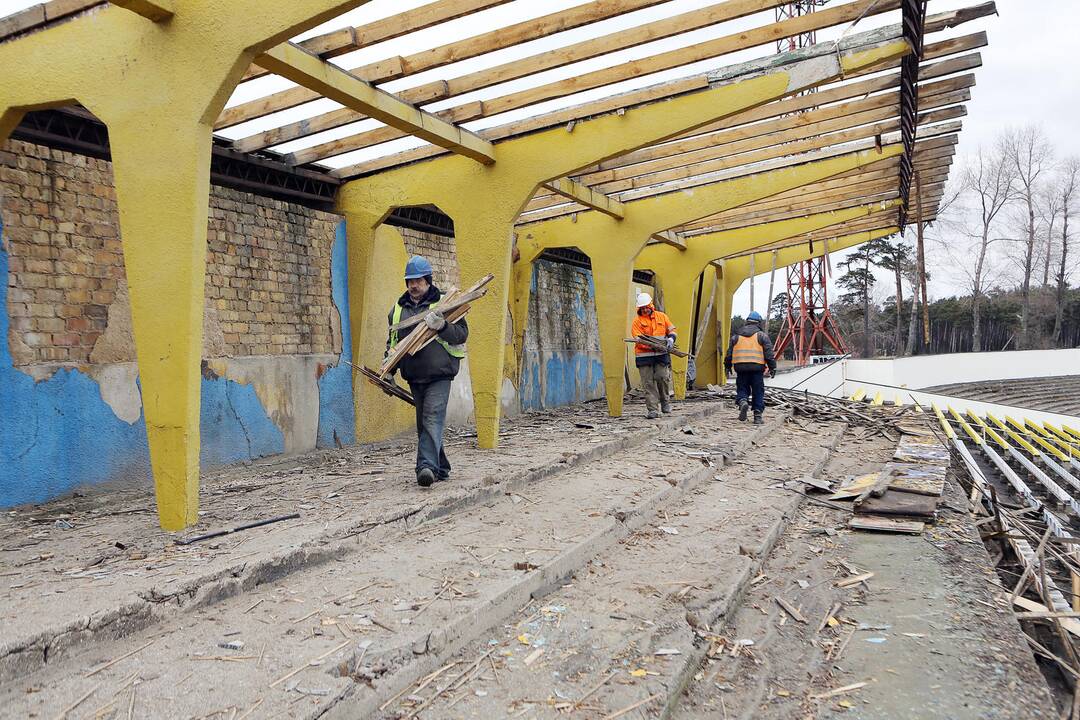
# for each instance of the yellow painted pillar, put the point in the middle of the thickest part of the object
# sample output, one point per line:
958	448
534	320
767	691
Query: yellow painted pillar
162	176
377	258
679	306
613	281
705	360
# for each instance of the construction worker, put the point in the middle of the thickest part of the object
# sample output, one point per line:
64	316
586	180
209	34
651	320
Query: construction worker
750	352
430	371
654	364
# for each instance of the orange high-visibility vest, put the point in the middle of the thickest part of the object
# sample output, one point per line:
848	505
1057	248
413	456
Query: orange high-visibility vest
748	350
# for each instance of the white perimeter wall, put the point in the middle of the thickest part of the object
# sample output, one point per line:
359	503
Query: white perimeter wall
903	376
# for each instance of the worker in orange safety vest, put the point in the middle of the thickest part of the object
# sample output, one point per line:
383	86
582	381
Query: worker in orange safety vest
750	353
653	364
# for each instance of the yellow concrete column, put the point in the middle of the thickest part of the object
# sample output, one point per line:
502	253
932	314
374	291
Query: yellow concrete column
484	243
705	360
162	175
679	306
613	281
377	256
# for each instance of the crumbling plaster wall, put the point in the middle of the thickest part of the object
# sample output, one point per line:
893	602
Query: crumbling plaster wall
274	333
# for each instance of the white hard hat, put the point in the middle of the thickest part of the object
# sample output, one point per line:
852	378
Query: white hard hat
644	299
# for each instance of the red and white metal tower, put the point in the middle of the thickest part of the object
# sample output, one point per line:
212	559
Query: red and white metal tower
807	328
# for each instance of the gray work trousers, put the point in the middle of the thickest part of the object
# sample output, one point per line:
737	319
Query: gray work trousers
656	379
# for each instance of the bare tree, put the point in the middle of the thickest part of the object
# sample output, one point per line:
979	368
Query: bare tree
1068	191
1049	211
1030	155
989	180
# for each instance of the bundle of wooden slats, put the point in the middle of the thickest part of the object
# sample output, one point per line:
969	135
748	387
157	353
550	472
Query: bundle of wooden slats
453	305
657	344
387	385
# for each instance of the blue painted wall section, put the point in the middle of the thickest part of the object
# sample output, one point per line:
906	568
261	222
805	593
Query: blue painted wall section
561	363
58	434
337	418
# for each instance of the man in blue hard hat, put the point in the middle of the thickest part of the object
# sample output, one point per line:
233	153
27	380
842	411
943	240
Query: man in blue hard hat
750	353
431	370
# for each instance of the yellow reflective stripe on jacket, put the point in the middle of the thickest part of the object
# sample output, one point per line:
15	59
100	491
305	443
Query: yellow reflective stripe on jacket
457	351
748	350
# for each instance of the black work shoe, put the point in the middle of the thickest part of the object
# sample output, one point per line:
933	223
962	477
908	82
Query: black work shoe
665	409
652	415
425	477
757	419
744	407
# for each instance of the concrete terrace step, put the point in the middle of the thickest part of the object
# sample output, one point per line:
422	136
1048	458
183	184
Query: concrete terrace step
75	586
621	625
359	614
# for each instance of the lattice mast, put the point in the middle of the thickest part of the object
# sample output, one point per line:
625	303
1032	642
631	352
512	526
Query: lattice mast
807	327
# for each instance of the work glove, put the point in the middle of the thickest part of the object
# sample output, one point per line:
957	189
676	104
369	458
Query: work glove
670	343
435	320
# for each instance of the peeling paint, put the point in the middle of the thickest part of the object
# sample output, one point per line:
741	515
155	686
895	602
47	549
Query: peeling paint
336	420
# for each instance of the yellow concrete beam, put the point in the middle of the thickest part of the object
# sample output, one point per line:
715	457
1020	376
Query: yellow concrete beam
300	66
585	195
153	10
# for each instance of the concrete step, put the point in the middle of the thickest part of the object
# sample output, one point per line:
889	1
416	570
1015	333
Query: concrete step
76	589
370	616
621	625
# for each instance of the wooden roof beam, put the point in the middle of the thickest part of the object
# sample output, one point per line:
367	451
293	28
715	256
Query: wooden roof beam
637	98
517	69
728	44
337	118
347	39
302	67
153	10
670	237
586	196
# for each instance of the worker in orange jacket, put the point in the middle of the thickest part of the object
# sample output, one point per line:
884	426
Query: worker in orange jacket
653	364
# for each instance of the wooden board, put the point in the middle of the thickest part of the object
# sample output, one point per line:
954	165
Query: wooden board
884	524
914	449
855	488
916	478
894	502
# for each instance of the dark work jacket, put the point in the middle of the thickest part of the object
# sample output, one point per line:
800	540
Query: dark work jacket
747	330
433	362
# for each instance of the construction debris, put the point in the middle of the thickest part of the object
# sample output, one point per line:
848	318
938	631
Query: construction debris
657	345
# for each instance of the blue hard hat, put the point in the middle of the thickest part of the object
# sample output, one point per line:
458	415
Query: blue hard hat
417	267
754	316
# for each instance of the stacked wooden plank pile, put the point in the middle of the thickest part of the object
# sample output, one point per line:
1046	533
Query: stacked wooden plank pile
906	492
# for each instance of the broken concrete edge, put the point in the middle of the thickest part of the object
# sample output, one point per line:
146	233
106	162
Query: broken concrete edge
22	656
459	632
693	659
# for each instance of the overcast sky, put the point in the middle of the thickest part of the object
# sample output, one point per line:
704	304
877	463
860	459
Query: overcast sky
1028	75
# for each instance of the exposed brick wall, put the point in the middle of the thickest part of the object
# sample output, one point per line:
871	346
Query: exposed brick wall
268	266
440	251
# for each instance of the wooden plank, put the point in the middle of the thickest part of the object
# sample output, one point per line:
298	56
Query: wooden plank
672	89
347	39
516	69
586	196
587	81
883	524
671	238
893	502
331	81
152	10
42	14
